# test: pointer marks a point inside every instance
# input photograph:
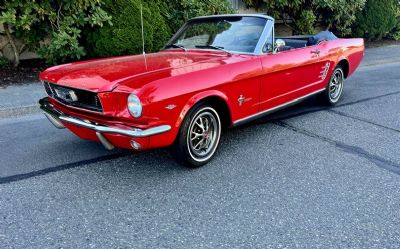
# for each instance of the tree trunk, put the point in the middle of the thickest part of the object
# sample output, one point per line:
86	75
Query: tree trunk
12	43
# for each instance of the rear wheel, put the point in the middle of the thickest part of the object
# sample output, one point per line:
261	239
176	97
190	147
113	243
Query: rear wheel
199	136
334	89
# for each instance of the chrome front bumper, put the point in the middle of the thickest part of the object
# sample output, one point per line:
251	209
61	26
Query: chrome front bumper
57	118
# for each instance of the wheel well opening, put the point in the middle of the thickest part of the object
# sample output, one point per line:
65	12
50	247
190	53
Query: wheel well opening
345	66
222	108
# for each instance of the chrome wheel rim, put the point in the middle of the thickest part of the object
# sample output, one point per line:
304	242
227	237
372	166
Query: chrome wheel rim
336	85
203	134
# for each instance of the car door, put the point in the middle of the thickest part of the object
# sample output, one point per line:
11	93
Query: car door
289	75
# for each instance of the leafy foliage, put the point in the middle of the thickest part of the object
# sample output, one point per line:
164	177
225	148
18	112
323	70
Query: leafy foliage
64	30
376	19
179	11
3	61
59	21
339	15
395	34
302	15
124	36
161	19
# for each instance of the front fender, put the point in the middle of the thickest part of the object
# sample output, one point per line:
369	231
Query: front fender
196	99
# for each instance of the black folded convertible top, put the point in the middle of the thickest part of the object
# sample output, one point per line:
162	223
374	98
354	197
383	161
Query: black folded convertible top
321	36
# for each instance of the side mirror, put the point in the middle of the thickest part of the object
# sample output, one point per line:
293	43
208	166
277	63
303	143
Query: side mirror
279	43
267	48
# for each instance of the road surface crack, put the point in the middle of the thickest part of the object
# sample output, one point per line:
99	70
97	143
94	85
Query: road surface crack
361	119
358	151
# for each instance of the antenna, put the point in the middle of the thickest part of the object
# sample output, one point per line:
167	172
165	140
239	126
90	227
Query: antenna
141	19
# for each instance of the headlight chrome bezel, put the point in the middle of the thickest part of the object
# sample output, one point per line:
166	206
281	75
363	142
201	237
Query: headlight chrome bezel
134	106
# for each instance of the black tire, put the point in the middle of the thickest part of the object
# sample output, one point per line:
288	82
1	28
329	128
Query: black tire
196	144
334	89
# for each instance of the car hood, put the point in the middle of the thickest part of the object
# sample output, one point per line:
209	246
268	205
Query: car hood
105	74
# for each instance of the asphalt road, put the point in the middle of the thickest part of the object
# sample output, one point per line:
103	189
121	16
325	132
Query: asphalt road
307	177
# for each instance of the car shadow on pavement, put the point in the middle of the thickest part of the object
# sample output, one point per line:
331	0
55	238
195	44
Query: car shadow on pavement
158	162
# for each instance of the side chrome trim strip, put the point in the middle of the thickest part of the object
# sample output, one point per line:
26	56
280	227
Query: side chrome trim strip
274	109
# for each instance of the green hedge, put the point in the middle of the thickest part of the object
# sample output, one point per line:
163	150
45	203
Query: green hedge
395	34
124	35
377	19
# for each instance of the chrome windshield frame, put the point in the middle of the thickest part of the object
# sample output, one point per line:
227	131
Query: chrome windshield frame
267	31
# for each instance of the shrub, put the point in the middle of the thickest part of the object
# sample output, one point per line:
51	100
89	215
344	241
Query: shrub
339	15
376	19
3	61
124	36
302	15
395	34
59	21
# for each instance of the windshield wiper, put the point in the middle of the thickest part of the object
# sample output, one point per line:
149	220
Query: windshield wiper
213	47
175	46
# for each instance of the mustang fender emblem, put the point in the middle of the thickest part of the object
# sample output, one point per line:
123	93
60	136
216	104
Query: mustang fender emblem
243	99
170	107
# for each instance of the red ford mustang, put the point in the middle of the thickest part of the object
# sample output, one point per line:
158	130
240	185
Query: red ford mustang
216	72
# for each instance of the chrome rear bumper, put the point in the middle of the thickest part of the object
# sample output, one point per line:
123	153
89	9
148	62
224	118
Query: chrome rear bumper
57	118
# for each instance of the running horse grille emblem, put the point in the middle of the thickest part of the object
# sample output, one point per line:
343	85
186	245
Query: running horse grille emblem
66	94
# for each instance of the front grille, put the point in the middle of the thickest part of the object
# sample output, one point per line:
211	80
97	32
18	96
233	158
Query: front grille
74	97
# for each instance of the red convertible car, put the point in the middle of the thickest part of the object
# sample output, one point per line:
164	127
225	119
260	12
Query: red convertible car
215	72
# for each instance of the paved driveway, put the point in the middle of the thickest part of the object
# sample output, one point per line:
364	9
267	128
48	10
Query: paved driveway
304	177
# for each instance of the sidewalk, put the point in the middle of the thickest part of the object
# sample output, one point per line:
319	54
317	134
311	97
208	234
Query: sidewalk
22	99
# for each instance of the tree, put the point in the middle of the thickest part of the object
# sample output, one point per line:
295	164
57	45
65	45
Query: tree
58	23
377	19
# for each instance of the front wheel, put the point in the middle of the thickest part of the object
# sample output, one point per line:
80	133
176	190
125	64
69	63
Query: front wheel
199	136
334	89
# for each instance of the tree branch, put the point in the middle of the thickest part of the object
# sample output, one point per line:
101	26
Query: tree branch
12	43
22	49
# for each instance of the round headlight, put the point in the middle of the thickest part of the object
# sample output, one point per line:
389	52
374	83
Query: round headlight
134	106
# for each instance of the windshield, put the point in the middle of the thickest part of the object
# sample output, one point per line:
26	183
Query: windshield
233	34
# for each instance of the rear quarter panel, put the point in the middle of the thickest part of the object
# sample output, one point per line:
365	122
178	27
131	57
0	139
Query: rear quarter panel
351	50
